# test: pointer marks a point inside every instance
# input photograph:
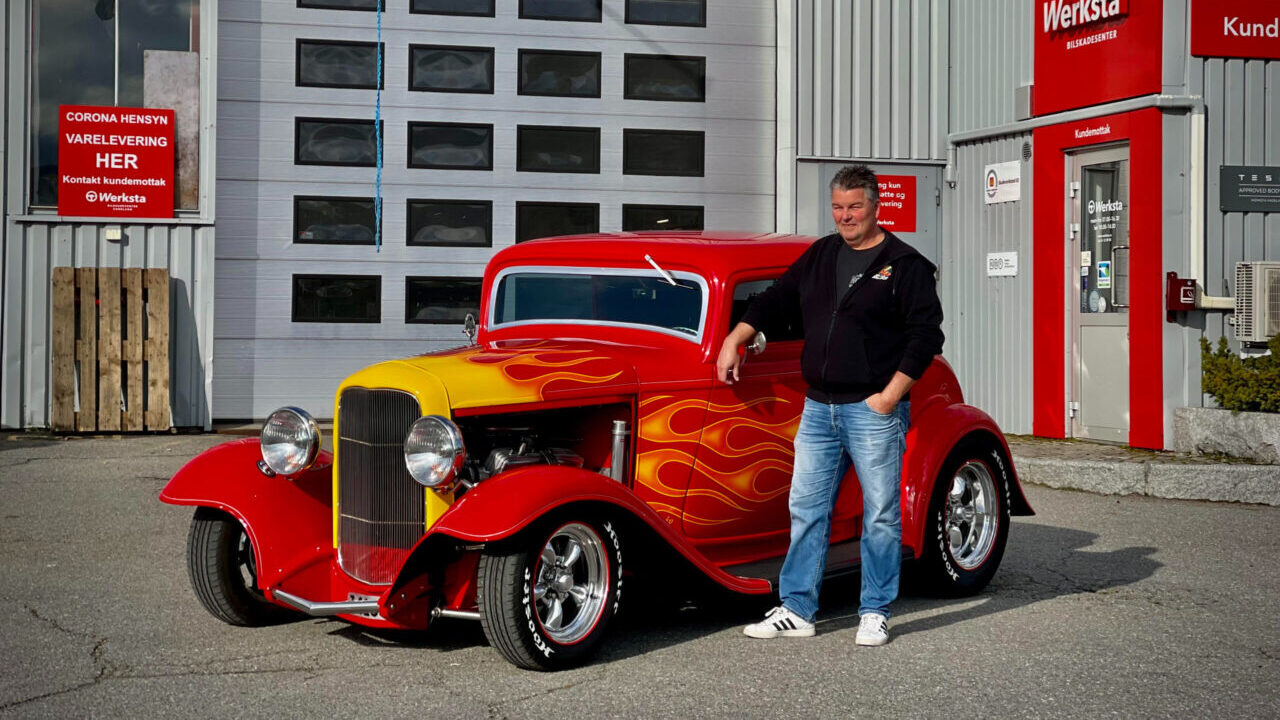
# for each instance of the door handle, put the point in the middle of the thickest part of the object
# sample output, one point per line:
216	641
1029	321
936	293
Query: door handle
1115	277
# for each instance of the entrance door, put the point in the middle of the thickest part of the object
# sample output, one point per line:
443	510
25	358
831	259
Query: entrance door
1100	298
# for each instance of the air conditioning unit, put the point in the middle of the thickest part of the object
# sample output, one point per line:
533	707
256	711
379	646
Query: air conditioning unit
1257	317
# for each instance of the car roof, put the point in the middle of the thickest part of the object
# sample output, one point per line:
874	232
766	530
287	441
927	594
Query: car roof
710	253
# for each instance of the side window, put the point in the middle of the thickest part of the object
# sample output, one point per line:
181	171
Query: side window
744	294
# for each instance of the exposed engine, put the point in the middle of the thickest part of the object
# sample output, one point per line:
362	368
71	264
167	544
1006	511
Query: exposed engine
589	437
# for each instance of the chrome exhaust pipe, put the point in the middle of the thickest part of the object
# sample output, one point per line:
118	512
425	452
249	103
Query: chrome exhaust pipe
618	458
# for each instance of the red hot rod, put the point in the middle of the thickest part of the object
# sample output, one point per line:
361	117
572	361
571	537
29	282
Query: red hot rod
522	479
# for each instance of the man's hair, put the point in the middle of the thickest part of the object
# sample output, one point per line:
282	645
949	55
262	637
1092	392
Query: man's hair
852	177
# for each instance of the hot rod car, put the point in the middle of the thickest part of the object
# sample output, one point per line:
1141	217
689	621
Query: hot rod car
521	480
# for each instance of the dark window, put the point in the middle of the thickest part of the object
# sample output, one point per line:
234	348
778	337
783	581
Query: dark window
338	64
542	148
777	329
443	68
667	12
481	8
456	146
94	53
337	298
662	152
341	4
461	223
661	217
665	77
440	299
333	220
579	10
571	74
536	219
334	141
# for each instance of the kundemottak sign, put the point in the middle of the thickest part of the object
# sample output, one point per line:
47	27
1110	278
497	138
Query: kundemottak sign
1235	28
1089	52
115	161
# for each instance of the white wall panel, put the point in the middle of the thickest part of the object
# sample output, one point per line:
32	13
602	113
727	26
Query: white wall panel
33	248
988	323
867	83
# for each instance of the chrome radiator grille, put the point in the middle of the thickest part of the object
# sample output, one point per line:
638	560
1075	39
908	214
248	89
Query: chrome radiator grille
381	508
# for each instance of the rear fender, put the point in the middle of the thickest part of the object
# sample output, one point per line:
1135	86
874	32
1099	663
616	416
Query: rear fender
501	507
289	519
941	427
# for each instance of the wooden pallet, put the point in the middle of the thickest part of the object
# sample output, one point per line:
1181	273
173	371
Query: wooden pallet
111	343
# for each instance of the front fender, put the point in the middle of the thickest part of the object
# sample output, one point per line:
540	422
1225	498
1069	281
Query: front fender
941	427
502	506
289	519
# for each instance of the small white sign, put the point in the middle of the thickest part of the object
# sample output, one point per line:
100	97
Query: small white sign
1002	264
1086	258
1002	182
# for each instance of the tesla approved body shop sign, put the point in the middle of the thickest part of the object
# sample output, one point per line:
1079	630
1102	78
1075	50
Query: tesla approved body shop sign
115	161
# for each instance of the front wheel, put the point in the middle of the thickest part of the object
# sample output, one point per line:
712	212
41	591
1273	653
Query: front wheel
968	519
544	604
223	574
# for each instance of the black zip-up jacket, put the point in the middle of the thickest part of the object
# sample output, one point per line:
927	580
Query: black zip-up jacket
889	320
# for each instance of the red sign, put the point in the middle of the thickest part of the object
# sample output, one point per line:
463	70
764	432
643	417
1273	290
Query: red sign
1089	52
1235	28
115	161
897	203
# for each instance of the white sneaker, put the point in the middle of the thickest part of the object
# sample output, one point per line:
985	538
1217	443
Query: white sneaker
780	622
873	629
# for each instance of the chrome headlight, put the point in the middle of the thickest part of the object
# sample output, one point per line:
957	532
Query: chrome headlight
433	451
290	441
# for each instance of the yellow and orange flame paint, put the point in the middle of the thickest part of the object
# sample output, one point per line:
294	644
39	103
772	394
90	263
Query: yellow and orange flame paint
719	469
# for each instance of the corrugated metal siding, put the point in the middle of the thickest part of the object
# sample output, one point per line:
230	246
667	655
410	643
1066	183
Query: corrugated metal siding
992	53
33	249
1242	106
988	322
871	79
264	360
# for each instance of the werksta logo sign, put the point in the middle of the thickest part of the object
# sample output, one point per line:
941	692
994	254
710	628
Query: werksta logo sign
115	162
1089	52
1061	15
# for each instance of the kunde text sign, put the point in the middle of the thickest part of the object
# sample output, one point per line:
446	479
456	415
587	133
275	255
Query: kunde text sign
897	203
115	161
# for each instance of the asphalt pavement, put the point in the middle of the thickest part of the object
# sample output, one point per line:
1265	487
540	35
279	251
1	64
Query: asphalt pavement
1105	605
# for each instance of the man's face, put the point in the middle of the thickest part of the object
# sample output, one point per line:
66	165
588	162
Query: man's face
855	216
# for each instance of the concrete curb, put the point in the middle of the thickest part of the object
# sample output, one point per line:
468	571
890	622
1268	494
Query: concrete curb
1241	483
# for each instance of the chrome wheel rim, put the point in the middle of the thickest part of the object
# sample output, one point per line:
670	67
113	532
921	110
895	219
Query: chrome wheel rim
245	564
972	515
570	583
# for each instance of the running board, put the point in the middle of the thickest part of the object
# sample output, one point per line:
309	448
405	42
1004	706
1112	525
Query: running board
325	609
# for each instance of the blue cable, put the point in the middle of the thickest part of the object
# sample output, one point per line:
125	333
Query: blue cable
377	129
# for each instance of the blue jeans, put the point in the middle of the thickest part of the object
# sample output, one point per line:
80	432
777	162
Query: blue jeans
830	438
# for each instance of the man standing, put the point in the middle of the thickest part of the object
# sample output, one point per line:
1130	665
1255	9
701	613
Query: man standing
871	320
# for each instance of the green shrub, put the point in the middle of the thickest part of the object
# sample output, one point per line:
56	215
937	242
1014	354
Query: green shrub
1242	383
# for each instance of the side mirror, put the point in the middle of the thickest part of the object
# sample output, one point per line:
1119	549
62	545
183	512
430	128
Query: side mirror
757	344
469	327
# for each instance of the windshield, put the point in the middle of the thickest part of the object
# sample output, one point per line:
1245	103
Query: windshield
602	297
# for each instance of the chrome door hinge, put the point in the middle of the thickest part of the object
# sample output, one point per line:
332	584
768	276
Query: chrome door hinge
1074	408
1075	188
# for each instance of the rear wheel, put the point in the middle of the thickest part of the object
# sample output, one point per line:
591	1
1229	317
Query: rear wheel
968	519
545	602
223	573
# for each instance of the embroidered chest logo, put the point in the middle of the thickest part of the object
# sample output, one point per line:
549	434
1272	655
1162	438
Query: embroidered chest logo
884	274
